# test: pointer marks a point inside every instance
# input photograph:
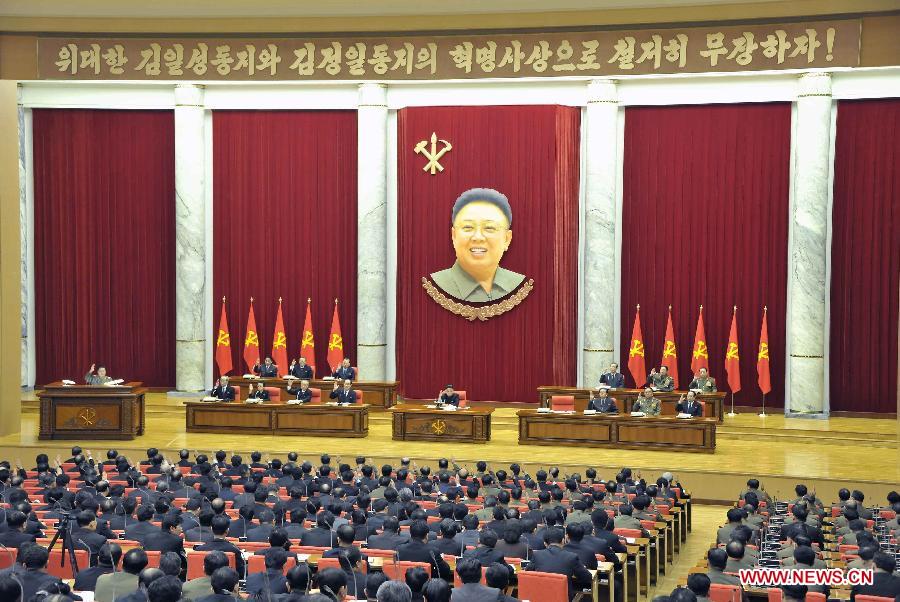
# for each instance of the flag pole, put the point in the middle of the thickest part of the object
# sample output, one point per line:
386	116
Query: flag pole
763	413
731	414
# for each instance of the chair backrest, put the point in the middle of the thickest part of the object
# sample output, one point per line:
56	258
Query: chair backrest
864	598
396	571
7	560
359	396
462	395
356	373
257	564
195	563
153	557
463	400
631	533
315	395
562	403
274	394
724	593
237	392
774	594
535	586
65	571
815	597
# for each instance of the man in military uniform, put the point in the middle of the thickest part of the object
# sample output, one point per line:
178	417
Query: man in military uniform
301	369
266	370
345	371
704	382
646	403
661	381
613	379
602	402
481	232
96	379
302	394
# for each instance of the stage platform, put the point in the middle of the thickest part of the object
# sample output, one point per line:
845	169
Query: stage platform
824	454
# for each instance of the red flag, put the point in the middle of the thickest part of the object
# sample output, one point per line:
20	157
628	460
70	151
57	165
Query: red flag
279	343
251	341
307	344
732	358
762	358
223	344
335	341
670	355
700	355
636	364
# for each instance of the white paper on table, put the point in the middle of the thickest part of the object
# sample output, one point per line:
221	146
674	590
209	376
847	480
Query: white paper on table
638	414
590	412
68	383
683	415
544	410
250	376
210	398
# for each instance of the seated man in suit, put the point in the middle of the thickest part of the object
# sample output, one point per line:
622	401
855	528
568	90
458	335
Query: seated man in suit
15	529
168	538
85	536
344	395
271	581
884	583
613	378
267	369
257	394
200	587
718	559
703	381
448	397
417	549
99	378
602	402
222	391
661	381
121	583
646	403
345	371
302	394
497	576
554	559
471	590
107	559
689	405
300	369
220	524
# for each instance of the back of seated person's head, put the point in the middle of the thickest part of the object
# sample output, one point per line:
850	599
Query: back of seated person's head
214	560
683	594
512	533
469	570
416	577
800	512
699	584
36	557
170	563
165	589
149	575
276	558
575	532
734	549
497	575
734	515
331	582
858	495
552	535
220	524
224	580
717	558
298	578
803	540
109	555
627	509
843	494
10	589
134	561
437	590
800	490
885	562
373	582
856	525
498	513
742	534
805	555
795	593
15	519
419	530
170	521
488	538
145	513
867	552
460	511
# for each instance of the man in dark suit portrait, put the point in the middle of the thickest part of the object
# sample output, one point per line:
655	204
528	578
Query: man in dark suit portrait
449	397
602	402
345	394
555	559
884	583
168	537
302	394
267	369
689	405
257	394
222	391
471	590
417	549
613	378
300	369
345	371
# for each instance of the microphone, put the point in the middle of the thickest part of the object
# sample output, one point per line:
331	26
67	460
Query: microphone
352	576
437	568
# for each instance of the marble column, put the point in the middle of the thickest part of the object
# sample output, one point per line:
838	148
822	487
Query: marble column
371	256
190	239
809	248
24	255
600	259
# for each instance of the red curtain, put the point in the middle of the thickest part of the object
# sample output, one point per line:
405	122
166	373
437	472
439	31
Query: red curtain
705	221
865	256
530	153
104	244
284	185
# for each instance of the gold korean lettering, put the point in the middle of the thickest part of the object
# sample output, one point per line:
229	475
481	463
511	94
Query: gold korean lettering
68	58
427	57
564	52
404	58
223	59
624	54
331	58
676	49
512	55
269	59
486	56
198	60
150	60
539	56
462	56
651	50
806	44
715	47
776	45
115	59
305	63
90	59
174	59
356	58
246	59
588	59
380	60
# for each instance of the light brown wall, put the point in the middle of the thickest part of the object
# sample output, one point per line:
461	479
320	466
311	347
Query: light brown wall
10	279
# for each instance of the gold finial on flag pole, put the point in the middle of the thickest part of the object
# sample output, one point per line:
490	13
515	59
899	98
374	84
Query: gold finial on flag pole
765	308
309	299
670	307
735	309
279	299
223	298
251	299
639	306
335	301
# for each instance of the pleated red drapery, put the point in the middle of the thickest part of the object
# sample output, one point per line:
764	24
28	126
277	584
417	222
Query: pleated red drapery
705	221
865	257
104	244
284	213
529	153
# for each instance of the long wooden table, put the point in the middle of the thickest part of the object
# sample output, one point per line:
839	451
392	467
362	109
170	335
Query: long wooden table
621	431
714	401
318	419
92	411
375	393
416	422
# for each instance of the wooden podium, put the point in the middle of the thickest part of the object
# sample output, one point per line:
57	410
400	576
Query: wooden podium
92	411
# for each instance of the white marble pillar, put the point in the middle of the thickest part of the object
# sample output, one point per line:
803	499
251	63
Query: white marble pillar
25	234
599	247
190	239
371	257
809	246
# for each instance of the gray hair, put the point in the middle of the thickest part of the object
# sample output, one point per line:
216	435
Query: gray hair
393	591
488	195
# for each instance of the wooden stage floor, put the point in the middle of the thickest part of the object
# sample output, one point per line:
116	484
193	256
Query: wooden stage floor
825	454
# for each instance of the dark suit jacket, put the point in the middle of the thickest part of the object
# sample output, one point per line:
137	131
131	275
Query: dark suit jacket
793	529
450	547
164	541
883	584
34	581
584	552
260	533
270	371
417	551
562	562
486	555
475	592
606	405
615	380
86	539
301	395
86	580
386	541
223	393
257	394
302	371
140	531
343	396
223	545
695	409
256	582
345	373
12	539
452	400
319	537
